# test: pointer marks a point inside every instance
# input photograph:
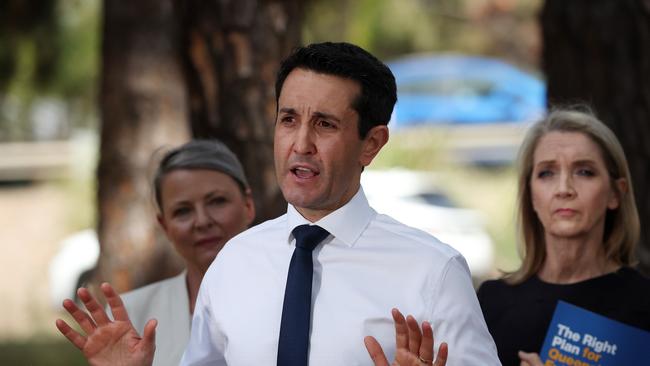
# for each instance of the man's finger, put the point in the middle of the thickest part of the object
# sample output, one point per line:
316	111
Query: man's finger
415	336
426	346
375	351
149	333
80	316
114	302
75	338
441	358
401	330
95	310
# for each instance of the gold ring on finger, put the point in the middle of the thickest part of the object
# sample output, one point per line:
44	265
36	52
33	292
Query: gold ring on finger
426	362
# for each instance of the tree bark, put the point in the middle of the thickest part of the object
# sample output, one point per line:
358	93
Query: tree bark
598	51
223	56
143	107
232	50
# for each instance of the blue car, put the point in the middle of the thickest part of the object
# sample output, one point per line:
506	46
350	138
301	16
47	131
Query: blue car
455	89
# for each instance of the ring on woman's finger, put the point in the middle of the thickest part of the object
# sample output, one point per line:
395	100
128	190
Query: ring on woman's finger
426	362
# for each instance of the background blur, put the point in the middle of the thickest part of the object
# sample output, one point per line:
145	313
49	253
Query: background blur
80	119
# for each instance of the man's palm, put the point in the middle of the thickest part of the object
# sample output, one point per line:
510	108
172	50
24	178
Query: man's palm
107	342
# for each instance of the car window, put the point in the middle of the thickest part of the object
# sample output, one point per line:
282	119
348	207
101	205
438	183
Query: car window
447	87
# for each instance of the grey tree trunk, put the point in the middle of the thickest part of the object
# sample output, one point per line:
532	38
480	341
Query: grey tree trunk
172	69
232	50
598	51
143	107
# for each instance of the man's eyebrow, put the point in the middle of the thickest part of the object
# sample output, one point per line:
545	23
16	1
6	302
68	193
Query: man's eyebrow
287	110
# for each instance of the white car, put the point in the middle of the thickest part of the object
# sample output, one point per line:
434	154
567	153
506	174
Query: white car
414	199
71	266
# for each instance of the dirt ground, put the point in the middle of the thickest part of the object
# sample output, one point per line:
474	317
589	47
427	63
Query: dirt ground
31	226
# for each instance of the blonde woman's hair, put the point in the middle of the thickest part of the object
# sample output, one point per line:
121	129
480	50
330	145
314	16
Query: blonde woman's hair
621	224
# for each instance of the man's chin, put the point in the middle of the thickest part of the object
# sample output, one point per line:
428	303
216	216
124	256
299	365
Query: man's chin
298	195
299	202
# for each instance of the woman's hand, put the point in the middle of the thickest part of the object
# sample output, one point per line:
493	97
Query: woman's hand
108	342
414	347
529	359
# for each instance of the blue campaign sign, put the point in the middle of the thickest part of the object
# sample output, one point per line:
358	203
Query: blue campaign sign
579	337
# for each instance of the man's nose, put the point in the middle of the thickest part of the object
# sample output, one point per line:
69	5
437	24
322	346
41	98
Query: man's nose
304	140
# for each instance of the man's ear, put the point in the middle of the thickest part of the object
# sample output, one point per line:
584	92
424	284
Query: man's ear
375	139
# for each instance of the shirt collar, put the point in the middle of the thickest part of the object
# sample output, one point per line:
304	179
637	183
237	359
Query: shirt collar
345	224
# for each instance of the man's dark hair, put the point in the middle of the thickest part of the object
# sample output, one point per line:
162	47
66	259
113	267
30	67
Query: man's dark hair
378	94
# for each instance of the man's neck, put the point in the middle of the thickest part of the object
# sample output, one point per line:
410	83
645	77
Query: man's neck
315	214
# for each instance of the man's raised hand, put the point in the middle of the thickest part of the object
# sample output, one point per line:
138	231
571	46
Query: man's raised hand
108	342
414	346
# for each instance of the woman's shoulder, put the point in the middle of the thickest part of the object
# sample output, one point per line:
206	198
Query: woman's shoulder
504	285
492	289
634	275
635	281
503	291
154	292
490	286
157	300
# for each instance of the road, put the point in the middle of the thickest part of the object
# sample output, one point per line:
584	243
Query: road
32	218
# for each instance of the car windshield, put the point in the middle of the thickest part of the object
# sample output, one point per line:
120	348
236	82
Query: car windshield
447	87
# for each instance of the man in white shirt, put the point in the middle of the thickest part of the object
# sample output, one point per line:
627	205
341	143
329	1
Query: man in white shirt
334	102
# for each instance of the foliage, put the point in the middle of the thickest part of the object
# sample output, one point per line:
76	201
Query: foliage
48	51
44	352
390	28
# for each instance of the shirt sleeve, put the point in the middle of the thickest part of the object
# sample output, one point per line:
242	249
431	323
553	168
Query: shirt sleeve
457	318
206	343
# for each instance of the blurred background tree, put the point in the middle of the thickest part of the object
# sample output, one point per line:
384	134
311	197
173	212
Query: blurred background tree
598	52
143	107
506	29
170	68
231	51
47	54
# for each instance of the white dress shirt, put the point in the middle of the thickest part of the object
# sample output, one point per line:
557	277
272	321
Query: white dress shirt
168	302
369	264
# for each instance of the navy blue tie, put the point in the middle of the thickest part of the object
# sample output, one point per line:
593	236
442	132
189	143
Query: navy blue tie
293	346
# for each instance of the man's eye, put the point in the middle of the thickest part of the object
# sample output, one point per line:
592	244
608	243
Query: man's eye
287	119
325	124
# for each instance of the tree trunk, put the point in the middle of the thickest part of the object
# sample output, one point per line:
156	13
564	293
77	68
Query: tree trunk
224	56
598	51
232	52
143	107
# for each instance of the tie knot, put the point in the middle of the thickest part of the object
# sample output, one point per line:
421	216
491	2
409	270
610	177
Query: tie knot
309	236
